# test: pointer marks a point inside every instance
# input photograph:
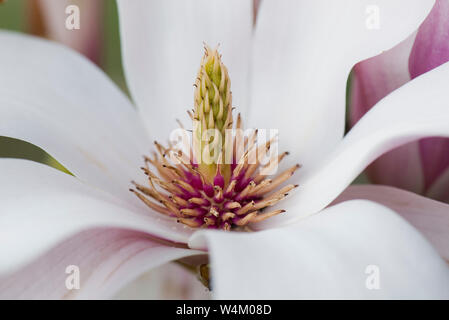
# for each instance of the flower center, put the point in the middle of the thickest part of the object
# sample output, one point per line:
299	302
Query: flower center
216	179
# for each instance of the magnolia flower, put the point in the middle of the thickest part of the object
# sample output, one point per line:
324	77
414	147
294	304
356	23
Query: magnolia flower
290	73
421	166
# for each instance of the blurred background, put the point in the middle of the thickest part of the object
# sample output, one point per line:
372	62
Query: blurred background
98	39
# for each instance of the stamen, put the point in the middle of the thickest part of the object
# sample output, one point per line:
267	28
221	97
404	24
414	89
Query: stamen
260	186
270	166
219	195
249	206
230	189
172	207
218	198
151	204
185	186
210	221
200	201
266	215
171	188
176	171
227	226
269	202
232	205
279	180
179	201
213	211
191	222
228	215
250	187
192	212
246	219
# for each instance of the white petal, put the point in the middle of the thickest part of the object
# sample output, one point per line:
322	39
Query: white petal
334	255
56	99
304	51
104	259
428	216
41	206
168	282
162	46
414	111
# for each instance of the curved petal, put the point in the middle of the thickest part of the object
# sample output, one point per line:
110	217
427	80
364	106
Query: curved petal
41	206
400	168
439	189
162	45
375	78
56	99
435	159
428	216
416	110
334	255
105	261
304	51
431	49
372	80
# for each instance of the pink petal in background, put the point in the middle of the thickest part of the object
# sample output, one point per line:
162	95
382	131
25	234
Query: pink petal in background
373	79
431	49
417	166
47	18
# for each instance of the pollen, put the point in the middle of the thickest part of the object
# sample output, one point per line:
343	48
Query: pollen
214	181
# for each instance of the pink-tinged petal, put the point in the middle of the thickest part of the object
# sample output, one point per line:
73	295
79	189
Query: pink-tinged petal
415	111
430	217
431	48
440	189
417	166
372	80
56	99
376	77
162	45
303	53
434	158
168	282
86	40
106	259
42	206
400	168
333	255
